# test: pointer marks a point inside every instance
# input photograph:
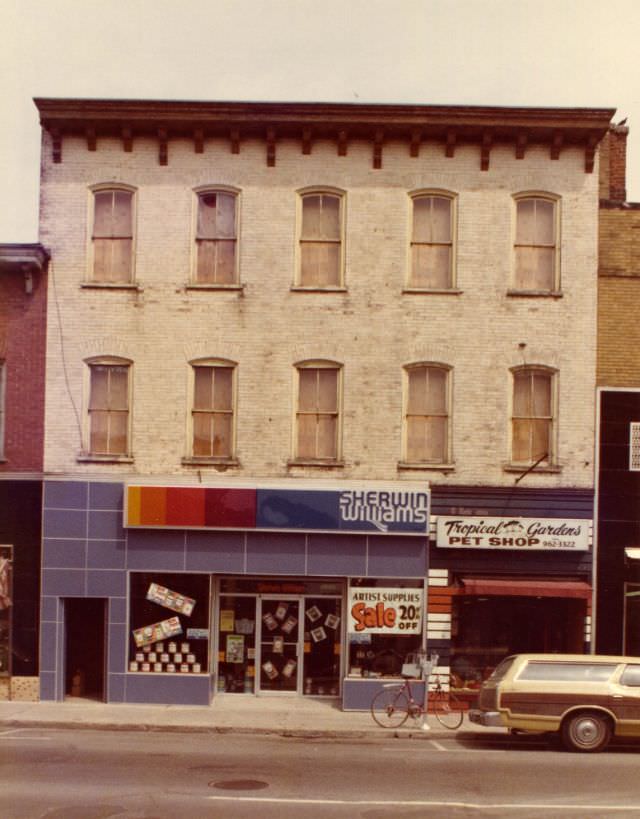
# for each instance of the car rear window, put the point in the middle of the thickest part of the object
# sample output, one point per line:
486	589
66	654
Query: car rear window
570	672
500	671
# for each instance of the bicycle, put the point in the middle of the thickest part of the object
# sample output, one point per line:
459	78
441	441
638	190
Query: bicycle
394	704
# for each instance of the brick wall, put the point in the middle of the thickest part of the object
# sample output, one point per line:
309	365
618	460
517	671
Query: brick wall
613	164
373	329
22	348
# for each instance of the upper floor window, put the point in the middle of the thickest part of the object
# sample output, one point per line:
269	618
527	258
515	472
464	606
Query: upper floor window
321	240
431	266
213	409
317	427
216	238
3	389
112	236
427	413
536	244
533	415
109	409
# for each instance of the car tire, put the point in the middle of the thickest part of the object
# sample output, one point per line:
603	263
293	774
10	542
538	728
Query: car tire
586	731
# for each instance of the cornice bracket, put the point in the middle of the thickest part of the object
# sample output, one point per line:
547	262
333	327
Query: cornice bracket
271	147
378	139
198	141
556	144
485	150
306	141
127	139
163	152
56	140
235	141
450	147
416	139
521	144
590	153
343	139
91	138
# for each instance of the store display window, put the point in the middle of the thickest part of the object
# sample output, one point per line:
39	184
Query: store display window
385	623
169	623
237	644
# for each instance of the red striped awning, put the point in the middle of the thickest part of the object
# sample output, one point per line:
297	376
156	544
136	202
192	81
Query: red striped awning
526	588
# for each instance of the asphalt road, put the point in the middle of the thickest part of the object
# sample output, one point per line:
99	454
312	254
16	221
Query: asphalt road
64	774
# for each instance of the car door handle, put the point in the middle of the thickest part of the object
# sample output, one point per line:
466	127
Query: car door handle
618	697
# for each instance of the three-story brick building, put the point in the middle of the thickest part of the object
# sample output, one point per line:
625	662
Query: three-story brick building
287	339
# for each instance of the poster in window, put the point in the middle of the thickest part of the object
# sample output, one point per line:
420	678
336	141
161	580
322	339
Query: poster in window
227	618
318	634
289	624
314	613
281	611
332	621
270	621
170	599
270	670
157	631
289	668
234	648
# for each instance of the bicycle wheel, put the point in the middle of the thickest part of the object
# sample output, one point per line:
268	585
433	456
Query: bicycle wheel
390	707
448	709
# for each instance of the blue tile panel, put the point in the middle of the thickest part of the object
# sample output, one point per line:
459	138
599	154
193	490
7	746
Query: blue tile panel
168	689
357	694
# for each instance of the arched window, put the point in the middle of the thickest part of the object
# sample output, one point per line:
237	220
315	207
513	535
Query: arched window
213	409
536	244
432	245
216	238
427	414
533	415
112	235
109	406
321	239
317	420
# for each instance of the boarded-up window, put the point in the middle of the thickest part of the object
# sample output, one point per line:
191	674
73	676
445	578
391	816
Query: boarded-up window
216	238
427	415
431	243
321	240
112	236
535	247
532	423
212	414
317	416
109	409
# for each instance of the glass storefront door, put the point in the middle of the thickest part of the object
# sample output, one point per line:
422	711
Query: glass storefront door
280	645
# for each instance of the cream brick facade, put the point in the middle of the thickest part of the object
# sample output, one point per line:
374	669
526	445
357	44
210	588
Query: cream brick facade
373	329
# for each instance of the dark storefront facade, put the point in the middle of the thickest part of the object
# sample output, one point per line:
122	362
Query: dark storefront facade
618	504
177	594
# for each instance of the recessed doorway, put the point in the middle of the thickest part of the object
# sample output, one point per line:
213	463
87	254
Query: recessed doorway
85	646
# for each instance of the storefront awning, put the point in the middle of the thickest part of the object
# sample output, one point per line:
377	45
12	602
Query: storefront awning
527	588
632	552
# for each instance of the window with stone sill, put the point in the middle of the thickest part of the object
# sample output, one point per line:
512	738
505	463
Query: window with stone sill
427	414
216	239
432	242
321	240
317	416
213	410
112	236
536	255
109	408
533	416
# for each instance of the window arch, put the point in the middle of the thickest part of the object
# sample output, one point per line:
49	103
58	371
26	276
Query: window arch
427	413
318	411
321	238
533	415
112	234
213	408
216	236
109	406
432	246
536	244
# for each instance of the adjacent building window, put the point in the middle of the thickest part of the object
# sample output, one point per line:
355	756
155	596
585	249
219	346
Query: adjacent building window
317	432
213	414
216	238
426	419
321	240
431	266
536	244
112	236
532	437
109	411
3	390
634	446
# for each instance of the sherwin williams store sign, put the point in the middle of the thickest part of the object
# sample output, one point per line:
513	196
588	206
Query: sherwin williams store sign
400	509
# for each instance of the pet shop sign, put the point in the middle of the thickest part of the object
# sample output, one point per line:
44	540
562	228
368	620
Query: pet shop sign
524	534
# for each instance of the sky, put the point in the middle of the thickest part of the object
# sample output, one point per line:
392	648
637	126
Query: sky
575	53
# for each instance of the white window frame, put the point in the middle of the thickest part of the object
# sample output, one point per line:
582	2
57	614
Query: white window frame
318	364
536	369
212	363
198	193
446	461
555	201
340	195
452	244
91	273
107	361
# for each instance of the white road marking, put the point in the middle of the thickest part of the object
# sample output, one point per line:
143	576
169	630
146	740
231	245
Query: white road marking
418	803
8	735
438	746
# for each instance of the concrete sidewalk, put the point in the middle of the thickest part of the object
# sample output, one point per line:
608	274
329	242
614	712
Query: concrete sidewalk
299	716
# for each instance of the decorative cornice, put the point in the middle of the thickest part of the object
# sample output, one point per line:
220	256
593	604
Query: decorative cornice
27	259
308	122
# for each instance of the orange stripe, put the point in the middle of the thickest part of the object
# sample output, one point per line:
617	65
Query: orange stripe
153	506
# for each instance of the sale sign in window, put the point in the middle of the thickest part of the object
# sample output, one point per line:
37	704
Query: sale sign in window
385	611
